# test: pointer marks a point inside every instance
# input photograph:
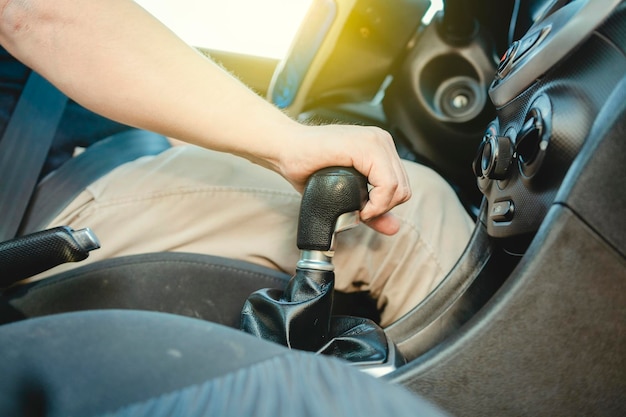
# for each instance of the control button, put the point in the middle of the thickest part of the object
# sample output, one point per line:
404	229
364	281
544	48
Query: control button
502	211
477	163
518	49
529	42
525	44
497	155
507	61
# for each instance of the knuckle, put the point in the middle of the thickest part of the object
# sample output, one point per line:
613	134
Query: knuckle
394	190
379	135
408	193
404	193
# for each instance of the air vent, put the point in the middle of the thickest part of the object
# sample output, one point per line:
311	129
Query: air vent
531	144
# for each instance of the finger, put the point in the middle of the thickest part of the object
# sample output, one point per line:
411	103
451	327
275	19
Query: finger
387	224
390	187
380	202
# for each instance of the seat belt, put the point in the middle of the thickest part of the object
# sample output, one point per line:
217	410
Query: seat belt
60	187
24	147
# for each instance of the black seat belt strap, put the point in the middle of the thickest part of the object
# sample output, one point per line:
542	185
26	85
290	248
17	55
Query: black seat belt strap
24	147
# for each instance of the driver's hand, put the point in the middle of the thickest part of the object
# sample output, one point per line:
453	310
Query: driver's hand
369	150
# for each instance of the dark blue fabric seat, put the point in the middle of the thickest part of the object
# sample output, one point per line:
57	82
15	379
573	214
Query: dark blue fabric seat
138	363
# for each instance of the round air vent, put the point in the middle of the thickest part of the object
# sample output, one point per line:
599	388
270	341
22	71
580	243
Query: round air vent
531	144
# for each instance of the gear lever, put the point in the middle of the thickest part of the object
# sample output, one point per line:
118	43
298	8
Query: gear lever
300	316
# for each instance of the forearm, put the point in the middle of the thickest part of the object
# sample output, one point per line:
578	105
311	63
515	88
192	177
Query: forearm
116	59
155	81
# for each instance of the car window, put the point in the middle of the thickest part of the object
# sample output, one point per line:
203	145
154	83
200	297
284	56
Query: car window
254	27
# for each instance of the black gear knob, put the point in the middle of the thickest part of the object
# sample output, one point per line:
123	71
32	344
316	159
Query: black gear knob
328	194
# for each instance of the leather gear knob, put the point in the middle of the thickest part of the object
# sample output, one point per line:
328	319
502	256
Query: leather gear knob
328	194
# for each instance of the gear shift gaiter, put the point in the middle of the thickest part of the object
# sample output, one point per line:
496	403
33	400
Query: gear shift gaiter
300	316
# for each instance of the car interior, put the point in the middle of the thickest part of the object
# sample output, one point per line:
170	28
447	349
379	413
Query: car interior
520	105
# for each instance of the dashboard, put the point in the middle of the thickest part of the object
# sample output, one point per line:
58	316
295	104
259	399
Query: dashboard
549	86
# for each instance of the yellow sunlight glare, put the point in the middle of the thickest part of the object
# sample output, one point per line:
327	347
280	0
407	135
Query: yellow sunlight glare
254	27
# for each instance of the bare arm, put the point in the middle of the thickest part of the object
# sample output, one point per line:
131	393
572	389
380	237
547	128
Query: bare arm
114	58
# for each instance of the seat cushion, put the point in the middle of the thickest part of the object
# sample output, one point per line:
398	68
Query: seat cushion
202	286
139	363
